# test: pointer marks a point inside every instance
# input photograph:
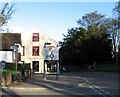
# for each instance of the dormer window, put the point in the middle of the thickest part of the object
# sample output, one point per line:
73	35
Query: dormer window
35	37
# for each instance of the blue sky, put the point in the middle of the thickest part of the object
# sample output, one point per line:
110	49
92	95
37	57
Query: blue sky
54	18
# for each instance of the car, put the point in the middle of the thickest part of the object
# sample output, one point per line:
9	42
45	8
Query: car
66	69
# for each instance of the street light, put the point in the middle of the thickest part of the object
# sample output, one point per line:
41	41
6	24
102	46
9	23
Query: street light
16	56
15	48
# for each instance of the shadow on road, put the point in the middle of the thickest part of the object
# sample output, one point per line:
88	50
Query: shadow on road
63	85
10	93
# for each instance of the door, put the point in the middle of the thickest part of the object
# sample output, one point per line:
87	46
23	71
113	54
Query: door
35	66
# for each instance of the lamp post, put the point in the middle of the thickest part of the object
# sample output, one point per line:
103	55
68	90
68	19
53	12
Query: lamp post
16	54
15	48
16	59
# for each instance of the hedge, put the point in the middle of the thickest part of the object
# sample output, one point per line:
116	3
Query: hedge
10	72
20	67
108	67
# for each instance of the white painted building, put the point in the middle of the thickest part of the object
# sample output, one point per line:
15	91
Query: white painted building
32	49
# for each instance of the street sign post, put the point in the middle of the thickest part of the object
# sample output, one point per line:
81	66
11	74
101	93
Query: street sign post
51	53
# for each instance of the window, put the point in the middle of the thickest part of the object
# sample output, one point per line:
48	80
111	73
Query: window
35	51
35	37
23	51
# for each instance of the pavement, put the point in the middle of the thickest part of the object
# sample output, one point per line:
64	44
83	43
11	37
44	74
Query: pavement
37	82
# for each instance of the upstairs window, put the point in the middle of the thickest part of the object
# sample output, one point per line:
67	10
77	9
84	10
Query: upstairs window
35	51
35	37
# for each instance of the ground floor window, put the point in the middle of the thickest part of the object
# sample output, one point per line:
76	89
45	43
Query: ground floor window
51	68
35	66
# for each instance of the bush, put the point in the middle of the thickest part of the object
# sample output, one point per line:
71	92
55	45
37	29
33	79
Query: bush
10	66
107	67
20	67
24	66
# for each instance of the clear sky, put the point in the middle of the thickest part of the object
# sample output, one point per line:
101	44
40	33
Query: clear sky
54	18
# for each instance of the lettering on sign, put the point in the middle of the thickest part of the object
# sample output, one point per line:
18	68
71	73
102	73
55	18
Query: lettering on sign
51	53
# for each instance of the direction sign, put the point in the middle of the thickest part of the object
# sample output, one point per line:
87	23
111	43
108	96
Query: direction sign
51	53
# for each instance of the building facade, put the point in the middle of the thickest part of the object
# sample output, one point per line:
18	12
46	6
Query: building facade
32	49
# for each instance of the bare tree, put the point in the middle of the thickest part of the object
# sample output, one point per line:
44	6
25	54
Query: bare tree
116	12
6	12
115	30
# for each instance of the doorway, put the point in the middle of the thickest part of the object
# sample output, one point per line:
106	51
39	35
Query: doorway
35	66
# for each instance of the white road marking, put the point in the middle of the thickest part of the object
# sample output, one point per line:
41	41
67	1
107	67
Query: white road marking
100	91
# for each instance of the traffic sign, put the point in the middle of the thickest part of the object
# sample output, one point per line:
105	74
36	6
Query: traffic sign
51	53
3	64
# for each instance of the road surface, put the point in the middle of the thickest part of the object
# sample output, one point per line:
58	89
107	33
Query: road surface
86	84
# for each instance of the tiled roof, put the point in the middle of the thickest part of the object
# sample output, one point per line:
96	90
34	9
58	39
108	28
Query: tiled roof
9	39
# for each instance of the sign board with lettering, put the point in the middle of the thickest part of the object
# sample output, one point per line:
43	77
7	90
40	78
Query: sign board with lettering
51	53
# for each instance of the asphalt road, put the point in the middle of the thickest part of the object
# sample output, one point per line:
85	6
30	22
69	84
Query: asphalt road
86	84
